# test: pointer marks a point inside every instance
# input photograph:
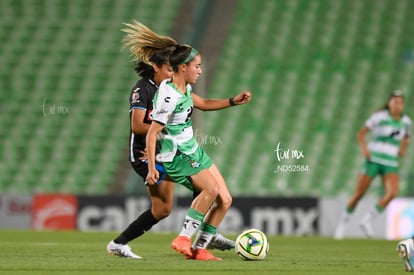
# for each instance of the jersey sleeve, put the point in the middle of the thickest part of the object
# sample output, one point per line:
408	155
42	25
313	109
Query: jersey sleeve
164	105
372	121
139	98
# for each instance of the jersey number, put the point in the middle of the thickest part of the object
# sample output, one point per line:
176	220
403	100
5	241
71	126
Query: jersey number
189	112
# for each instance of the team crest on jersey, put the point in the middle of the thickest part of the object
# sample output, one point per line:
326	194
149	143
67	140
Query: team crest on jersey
395	132
194	164
135	97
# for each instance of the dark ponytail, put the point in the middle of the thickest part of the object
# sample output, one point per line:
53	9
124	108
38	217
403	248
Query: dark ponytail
157	59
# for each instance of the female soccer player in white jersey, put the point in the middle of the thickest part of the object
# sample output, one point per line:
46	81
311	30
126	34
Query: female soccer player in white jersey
183	159
390	130
152	72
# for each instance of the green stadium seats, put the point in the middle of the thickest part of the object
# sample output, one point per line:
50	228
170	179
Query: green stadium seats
65	87
317	69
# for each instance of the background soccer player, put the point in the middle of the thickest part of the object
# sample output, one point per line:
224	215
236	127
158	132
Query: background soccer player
390	130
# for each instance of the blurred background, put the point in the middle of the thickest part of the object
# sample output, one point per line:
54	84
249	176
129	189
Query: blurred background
317	69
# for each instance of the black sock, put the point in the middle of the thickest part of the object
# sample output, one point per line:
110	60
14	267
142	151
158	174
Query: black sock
138	227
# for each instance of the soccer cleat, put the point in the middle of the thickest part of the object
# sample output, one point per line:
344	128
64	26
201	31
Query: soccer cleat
405	251
339	231
220	242
367	228
121	250
182	244
203	255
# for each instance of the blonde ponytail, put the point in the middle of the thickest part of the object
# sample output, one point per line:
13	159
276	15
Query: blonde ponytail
143	42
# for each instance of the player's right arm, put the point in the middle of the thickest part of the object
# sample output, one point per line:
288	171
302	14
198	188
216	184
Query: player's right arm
362	142
140	100
138	126
153	174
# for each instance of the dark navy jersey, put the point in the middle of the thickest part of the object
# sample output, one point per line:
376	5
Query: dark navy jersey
140	98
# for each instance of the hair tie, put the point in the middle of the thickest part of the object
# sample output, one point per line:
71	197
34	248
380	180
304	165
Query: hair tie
190	57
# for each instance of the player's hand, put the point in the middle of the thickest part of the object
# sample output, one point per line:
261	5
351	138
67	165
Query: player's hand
152	176
144	156
366	154
242	98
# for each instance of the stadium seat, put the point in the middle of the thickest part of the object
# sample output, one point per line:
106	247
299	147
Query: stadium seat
65	87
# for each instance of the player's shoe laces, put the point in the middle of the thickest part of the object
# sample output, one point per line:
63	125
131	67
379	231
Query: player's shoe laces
367	228
220	242
203	255
182	244
405	251
121	250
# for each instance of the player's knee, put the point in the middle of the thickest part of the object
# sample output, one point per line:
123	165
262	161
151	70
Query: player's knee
212	191
227	201
161	212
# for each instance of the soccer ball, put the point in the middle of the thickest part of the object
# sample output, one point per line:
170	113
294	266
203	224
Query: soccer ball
252	245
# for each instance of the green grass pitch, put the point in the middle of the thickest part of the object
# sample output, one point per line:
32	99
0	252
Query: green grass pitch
31	252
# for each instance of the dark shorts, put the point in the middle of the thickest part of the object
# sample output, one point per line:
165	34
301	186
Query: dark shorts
141	168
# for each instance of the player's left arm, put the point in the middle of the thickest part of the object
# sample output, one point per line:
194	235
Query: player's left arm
405	140
218	104
403	146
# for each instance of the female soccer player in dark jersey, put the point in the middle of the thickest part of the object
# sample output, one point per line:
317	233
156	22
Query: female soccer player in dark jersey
161	195
152	72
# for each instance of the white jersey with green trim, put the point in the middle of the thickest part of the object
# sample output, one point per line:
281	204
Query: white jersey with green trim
386	136
173	109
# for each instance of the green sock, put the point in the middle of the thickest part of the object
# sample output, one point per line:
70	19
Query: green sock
379	208
349	210
206	233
